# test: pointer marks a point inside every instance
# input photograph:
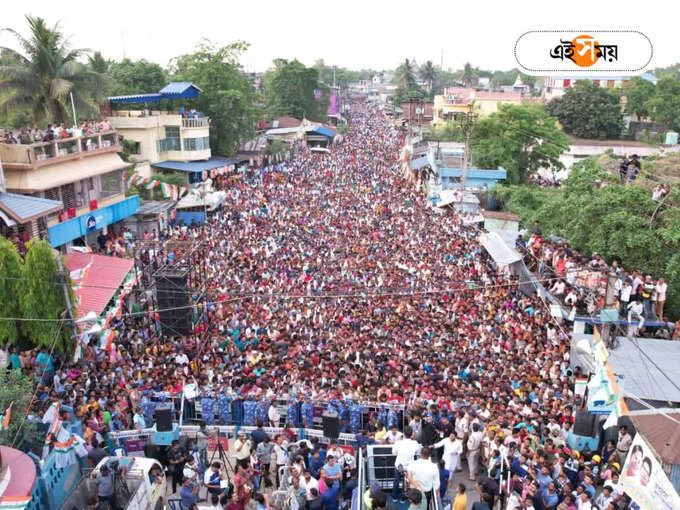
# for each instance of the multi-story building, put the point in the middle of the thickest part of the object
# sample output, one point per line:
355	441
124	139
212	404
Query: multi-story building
556	86
459	100
169	140
78	181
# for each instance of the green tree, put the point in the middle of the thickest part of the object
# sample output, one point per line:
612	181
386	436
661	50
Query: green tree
587	110
290	89
469	75
45	74
449	132
228	95
10	288
428	73
42	297
598	214
519	138
136	77
405	75
664	105
638	92
98	63
17	389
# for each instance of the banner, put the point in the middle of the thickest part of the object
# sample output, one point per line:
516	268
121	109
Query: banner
644	480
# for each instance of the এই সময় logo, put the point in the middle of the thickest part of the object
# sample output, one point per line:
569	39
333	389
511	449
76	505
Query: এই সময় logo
584	51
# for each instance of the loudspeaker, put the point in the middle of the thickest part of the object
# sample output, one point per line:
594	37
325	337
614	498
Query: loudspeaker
331	425
163	417
585	424
172	296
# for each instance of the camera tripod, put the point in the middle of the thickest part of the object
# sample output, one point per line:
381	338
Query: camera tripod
223	457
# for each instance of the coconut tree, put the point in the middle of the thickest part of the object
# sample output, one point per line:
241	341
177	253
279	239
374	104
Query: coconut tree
428	73
469	75
405	74
40	77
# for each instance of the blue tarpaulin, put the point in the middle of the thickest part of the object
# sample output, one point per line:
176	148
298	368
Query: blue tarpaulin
187	217
174	90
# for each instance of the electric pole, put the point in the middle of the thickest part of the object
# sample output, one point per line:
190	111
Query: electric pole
467	123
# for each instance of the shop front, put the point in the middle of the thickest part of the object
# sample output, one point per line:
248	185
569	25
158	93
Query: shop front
84	229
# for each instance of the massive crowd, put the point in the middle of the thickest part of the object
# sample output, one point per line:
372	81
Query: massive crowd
331	283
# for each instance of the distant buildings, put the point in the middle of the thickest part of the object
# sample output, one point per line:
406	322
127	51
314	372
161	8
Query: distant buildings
557	86
457	100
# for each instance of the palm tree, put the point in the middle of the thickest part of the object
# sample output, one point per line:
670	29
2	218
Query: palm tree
40	79
405	75
469	75
428	73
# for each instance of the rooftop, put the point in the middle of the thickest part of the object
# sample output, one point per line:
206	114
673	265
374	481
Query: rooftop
23	208
662	434
174	90
32	156
500	215
467	94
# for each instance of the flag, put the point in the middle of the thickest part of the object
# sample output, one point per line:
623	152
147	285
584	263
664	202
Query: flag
4	424
620	409
152	184
175	192
125	175
182	191
131	179
166	189
142	181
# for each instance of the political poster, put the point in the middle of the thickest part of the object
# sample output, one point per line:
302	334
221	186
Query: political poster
644	480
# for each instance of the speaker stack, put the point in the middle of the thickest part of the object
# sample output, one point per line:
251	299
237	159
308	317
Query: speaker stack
172	296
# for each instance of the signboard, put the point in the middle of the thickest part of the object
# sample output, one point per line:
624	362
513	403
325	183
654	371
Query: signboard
644	480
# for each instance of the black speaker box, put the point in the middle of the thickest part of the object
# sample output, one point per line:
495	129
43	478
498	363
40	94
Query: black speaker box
172	296
331	425
163	417
585	424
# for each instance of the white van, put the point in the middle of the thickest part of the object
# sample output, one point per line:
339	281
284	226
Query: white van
140	484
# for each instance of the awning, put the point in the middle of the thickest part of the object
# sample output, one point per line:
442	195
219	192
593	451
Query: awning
500	252
24	208
212	200
51	176
136	98
196	166
96	279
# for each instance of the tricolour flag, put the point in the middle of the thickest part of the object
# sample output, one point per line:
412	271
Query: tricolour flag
166	189
152	184
4	424
131	179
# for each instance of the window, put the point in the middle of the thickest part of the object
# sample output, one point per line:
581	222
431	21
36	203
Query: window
196	144
167	144
111	183
171	131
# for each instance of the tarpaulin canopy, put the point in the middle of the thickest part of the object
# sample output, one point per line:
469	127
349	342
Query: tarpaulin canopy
174	90
499	250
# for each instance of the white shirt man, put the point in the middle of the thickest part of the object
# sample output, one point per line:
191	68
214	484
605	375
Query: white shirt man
405	450
393	435
308	482
424	473
453	448
273	415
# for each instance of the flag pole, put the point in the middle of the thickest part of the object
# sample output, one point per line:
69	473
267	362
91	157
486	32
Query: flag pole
73	108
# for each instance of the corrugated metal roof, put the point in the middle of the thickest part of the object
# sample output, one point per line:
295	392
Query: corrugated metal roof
195	166
136	98
155	207
501	253
100	282
22	208
642	379
662	434
180	90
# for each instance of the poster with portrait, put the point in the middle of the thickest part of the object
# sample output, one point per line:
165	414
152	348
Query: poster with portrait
644	480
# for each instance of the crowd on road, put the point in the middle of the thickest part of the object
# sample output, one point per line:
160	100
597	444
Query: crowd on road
330	282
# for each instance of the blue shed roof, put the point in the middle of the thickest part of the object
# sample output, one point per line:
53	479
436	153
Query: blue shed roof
136	98
195	166
478	173
23	208
322	131
174	90
180	90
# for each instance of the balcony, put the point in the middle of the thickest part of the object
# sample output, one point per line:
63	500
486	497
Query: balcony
198	122
36	155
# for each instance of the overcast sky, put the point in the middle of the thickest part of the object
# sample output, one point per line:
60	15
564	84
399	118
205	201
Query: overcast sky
350	33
